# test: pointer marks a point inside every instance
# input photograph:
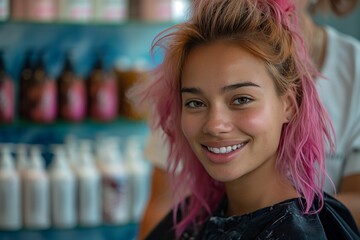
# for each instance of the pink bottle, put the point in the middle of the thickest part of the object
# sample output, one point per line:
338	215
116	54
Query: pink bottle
71	95
41	95
6	95
102	94
41	10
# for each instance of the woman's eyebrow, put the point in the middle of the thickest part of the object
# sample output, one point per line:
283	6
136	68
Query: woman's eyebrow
190	90
239	85
224	89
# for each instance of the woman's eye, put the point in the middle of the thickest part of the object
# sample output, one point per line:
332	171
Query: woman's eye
241	100
194	104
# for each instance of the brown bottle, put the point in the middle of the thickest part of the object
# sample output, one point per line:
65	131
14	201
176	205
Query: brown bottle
71	94
102	94
41	94
6	95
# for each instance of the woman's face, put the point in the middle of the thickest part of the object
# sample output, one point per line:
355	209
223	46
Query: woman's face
231	115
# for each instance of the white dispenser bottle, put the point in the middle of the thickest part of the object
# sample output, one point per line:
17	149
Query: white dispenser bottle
62	191
89	188
36	192
10	208
115	184
140	177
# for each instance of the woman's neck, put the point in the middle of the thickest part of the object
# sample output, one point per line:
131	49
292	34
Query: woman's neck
256	191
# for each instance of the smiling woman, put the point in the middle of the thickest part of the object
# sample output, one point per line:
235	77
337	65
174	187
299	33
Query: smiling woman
236	99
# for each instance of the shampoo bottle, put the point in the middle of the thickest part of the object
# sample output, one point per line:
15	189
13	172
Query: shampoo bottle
115	184
140	177
10	197
62	191
7	106
36	192
71	94
89	188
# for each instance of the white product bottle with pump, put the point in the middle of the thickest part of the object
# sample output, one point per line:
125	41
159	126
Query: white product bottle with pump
62	191
10	208
36	192
89	188
115	184
140	177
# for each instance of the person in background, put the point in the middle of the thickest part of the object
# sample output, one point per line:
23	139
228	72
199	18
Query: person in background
235	97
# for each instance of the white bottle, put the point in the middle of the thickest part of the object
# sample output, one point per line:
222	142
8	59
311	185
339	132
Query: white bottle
36	192
10	208
62	191
115	184
89	188
140	177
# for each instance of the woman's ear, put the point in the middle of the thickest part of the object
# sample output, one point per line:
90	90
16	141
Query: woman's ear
289	102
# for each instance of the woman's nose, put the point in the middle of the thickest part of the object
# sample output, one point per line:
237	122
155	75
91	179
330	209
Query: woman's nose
218	121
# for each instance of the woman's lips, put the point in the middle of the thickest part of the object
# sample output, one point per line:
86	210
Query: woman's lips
225	154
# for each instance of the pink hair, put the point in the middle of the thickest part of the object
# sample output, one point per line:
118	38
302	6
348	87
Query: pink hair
267	29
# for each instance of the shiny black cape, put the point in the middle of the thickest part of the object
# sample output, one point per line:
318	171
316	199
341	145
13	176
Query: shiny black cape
282	221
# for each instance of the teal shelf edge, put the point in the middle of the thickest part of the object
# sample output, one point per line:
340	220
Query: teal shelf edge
122	232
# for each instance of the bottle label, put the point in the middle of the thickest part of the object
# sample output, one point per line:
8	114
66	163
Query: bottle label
72	105
103	100
42	100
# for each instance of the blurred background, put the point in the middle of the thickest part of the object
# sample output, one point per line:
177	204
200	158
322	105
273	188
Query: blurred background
71	145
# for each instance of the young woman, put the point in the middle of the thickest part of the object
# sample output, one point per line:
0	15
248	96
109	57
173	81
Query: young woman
236	99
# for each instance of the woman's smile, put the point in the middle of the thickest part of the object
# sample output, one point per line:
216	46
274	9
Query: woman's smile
224	154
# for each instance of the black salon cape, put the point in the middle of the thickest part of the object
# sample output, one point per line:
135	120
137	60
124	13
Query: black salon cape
283	221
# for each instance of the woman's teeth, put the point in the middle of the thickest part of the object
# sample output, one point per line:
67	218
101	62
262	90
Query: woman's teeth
224	149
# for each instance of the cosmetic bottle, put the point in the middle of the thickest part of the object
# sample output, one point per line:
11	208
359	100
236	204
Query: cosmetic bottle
10	208
102	93
41	10
36	192
4	10
76	10
111	10
41	94
7	106
71	94
139	173
62	190
115	184
89	187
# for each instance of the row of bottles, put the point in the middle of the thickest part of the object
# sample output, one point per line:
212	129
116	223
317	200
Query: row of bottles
99	96
93	10
82	185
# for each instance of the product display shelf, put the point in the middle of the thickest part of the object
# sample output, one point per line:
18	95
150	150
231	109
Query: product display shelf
122	232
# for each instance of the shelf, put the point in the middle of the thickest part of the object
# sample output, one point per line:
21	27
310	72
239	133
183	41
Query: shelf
124	232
